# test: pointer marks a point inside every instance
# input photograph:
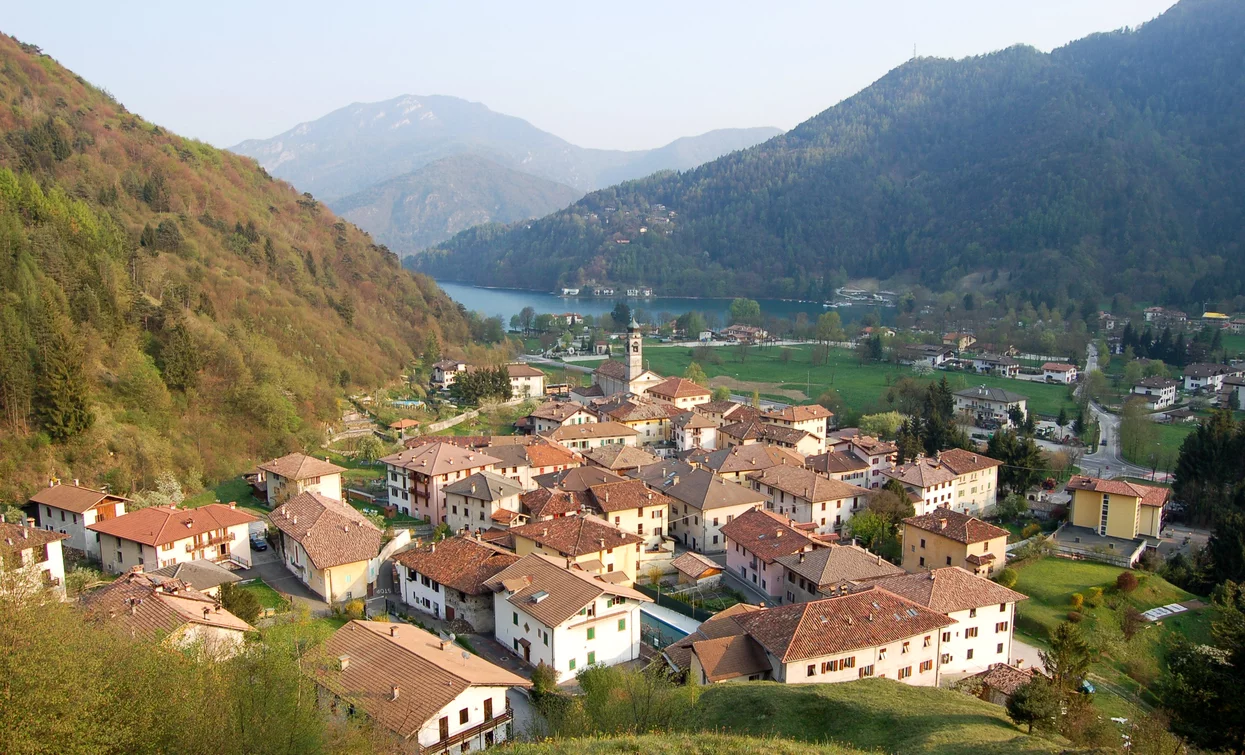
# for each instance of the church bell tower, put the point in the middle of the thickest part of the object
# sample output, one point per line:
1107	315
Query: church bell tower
635	351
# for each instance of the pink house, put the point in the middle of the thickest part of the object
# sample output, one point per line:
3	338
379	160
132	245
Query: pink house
754	542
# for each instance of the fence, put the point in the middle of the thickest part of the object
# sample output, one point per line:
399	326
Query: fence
678	606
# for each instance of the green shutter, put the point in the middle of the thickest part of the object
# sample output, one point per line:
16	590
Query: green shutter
592	633
622	625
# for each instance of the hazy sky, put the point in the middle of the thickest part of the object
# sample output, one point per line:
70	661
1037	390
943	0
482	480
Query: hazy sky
620	75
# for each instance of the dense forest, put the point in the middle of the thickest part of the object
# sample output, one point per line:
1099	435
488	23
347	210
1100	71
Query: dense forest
1113	164
167	306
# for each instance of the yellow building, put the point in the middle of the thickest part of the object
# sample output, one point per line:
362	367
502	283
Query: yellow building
1114	508
945	537
594	545
328	545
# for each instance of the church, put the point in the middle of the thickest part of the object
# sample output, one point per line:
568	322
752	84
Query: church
629	376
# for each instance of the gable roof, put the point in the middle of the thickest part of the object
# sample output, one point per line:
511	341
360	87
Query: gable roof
1058	367
1150	496
557	411
799	413
766	534
591	431
1156	381
547	502
725	658
835	462
154	607
695	565
720	624
705	490
460	563
21	538
160	525
871	445
690	420
298	466
661	474
72	498
961	462
986	393
922	473
440	458
617	456
749	458
612	369
485	486
382	656
1206	369
949	589
1004	678
836	564
546	454
332	532
575	535
807	484
959	527
566	591
523	370
200	574
577	478
677	387
624	496
757	430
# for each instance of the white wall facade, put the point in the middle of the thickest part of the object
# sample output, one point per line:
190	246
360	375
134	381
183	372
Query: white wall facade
884	661
75	525
567	648
992	626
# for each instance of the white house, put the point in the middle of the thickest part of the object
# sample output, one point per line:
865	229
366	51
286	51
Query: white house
71	509
159	536
554	414
805	496
446	371
841	466
295	473
1207	377
976	480
472	502
986	403
1159	392
329	545
701	503
417	476
1059	372
431	695
693	430
984	613
566	618
525	380
31	559
447	579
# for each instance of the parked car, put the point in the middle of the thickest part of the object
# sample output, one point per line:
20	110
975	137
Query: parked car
258	543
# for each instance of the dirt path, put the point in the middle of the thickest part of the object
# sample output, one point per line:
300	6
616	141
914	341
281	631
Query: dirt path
743	386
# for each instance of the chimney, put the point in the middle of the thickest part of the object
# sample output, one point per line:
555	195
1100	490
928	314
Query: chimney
206	611
75	482
393	630
801	557
233	504
879	560
942	524
294	520
931	571
51	483
544	532
343	662
395	692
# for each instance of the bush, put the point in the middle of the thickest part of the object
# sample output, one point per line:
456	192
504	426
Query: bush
544	679
1077	601
1095	597
1008	577
353	609
239	602
1075	617
1126	582
1030	530
1130	622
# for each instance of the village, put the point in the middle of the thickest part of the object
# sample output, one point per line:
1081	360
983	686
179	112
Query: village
640	520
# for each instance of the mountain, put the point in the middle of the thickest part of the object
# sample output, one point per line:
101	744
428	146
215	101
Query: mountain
168	306
433	202
354	147
1113	164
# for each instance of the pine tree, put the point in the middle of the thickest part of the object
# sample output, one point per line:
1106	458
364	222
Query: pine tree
180	360
60	396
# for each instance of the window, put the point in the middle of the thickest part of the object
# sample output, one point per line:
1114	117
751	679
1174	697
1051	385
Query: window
905	648
927	666
571	665
905	672
715	539
999	649
922	543
946	636
1001	626
922	561
926	642
970	632
592	658
882	654
948	560
514	618
715	521
592	634
1002	608
463	715
866	671
969	654
812	669
622	625
972	613
945	658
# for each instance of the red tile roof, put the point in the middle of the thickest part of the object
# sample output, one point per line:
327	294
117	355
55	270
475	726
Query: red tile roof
677	387
575	535
959	527
439	458
961	462
155	607
1150	496
460	563
161	525
330	531
72	498
949	589
298	466
767	535
566	591
807	484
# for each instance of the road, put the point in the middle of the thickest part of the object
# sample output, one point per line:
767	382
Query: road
1106	461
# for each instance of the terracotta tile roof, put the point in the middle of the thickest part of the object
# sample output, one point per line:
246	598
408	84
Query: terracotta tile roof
439	458
139	604
382	656
721	624
1205	370
612	369
298	466
575	535
986	393
807	484
677	387
591	391
624	496
756	430
199	574
633	409
923	473
618	457
566	591
546	454
557	411
577	479
705	490
871	446
460	563
72	498
750	458
692	421
662	474
1058	367
801	413
1150	496
695	565
1004	678
731	657
449	364
835	462
716	407
961	462
869	618
332	532
485	486
959	527
1157	382
523	370
403	424
496	536
949	589
513	456
837	564
159	525
767	535
591	431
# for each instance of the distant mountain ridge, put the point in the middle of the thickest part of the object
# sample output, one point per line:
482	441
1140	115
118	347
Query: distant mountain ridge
1115	164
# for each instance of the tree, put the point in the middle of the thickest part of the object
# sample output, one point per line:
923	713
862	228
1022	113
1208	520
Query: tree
621	314
61	400
696	374
1062	420
691	323
1034	704
527	316
895	506
180	359
1012	507
486	384
1022	461
830	328
832	401
721	393
745	312
370	449
1007	577
885	425
1138	433
756	399
168	492
240	602
1067	660
869	527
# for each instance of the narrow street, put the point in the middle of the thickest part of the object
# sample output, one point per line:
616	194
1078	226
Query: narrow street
1106	461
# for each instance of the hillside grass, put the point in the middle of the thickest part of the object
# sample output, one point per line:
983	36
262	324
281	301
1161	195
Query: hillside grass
677	744
1170	438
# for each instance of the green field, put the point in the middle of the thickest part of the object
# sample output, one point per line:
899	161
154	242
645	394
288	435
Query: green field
862	386
676	744
236	490
1170	437
268	597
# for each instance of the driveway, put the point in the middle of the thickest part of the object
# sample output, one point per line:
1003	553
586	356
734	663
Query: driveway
283	580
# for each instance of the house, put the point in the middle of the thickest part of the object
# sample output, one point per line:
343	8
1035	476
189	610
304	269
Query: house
446	371
525	380
930	483
578	479
1159	392
925	355
754	432
726	412
737	462
1208	377
813	419
601	348
554	414
31	559
1108	321
447	579
844	467
402	426
661	474
1115	508
329	545
948	538
755	540
650	419
618	458
417	476
855	635
695	569
158	536
702	503
544	504
747	660
585	542
693	430
976	480
992	404
428	694
880	455
629	376
994	364
592	435
524	461
295	473
204	576
984	613
959	341
824	571
475	502
1000	681
632	507
807	497
71	509
1234	386
167	611
744	333
566	618
680	392
1059	372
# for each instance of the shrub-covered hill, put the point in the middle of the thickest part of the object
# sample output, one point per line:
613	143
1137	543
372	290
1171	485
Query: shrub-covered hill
165	305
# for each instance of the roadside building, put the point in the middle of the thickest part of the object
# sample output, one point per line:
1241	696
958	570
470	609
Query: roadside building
295	473
995	364
72	509
329	545
1115	508
474	502
447	579
680	392
828	570
584	542
158	536
1059	372
807	497
990	404
525	380
417	477
929	482
1158	392
31	559
1208	377
976	480
948	538
702	503
754	542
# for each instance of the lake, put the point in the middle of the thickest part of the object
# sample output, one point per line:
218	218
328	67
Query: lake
509	301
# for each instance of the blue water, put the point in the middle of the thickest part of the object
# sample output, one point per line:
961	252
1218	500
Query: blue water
509	301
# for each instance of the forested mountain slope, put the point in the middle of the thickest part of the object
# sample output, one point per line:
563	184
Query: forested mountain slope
165	305
1115	163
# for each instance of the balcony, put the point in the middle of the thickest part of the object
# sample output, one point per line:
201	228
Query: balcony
456	739
228	537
